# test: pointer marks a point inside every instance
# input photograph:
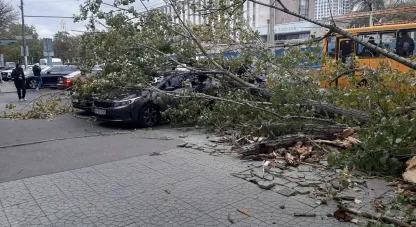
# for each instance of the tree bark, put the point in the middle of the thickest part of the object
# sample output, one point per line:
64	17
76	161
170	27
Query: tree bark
331	108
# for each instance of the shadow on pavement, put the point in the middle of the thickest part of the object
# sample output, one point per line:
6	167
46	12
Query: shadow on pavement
118	125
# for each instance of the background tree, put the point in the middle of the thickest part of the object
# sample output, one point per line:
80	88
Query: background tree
67	47
12	52
7	15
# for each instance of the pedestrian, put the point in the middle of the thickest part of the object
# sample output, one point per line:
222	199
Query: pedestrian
36	72
19	82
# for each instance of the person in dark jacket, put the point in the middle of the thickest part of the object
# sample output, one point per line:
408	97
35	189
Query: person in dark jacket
19	82
36	72
405	45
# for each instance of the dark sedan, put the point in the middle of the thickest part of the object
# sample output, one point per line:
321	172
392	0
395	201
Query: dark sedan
144	107
50	75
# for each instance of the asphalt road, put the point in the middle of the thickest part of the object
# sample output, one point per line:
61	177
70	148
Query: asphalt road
36	147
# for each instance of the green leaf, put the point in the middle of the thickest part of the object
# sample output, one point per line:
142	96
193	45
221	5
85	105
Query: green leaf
398	140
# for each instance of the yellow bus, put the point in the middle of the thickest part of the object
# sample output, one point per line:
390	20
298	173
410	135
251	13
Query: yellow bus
399	38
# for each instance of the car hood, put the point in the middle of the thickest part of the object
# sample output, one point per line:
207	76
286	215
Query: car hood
120	96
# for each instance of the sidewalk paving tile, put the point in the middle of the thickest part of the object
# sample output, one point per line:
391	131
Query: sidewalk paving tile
26	214
3	219
13	193
182	187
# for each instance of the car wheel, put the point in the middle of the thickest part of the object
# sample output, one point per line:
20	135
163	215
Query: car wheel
149	116
32	83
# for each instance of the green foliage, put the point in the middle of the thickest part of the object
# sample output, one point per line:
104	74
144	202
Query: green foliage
45	107
67	47
12	52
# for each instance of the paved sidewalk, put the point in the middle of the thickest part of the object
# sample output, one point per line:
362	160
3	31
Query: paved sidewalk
182	187
7	87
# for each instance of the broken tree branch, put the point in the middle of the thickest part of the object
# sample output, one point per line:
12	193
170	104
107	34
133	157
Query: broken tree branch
375	217
268	146
339	75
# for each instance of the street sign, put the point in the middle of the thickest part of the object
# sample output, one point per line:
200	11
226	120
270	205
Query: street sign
19	37
21	51
47	45
6	42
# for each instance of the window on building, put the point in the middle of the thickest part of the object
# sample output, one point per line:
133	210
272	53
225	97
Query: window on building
303	35
304	7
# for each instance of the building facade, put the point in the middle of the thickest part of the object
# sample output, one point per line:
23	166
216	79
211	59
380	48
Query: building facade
255	14
324	9
293	31
258	15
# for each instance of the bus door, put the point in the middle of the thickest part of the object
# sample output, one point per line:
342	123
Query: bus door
345	51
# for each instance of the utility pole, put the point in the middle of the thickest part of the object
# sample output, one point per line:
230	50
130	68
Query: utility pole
23	33
371	14
271	23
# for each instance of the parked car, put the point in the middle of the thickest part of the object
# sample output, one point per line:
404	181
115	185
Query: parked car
144	106
66	82
6	73
50	75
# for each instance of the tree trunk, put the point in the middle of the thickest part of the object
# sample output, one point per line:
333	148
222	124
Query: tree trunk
331	108
296	127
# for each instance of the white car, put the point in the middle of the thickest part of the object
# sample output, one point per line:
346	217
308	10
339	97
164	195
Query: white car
6	74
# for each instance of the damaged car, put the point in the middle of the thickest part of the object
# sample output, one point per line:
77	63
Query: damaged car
145	106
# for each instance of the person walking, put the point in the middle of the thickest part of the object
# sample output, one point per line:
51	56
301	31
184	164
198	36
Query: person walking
36	72
19	82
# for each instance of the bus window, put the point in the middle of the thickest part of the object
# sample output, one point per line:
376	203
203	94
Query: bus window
331	45
388	40
405	45
364	52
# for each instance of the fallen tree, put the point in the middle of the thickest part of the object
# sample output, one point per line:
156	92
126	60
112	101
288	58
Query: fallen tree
292	102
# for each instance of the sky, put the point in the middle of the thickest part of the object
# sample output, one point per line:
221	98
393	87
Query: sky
47	27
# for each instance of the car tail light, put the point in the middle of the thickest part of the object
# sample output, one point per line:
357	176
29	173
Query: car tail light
68	82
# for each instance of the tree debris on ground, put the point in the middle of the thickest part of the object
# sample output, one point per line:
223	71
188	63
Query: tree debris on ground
298	148
244	212
342	213
410	174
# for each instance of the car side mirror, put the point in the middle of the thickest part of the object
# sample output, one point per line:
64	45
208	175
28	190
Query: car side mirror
48	72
